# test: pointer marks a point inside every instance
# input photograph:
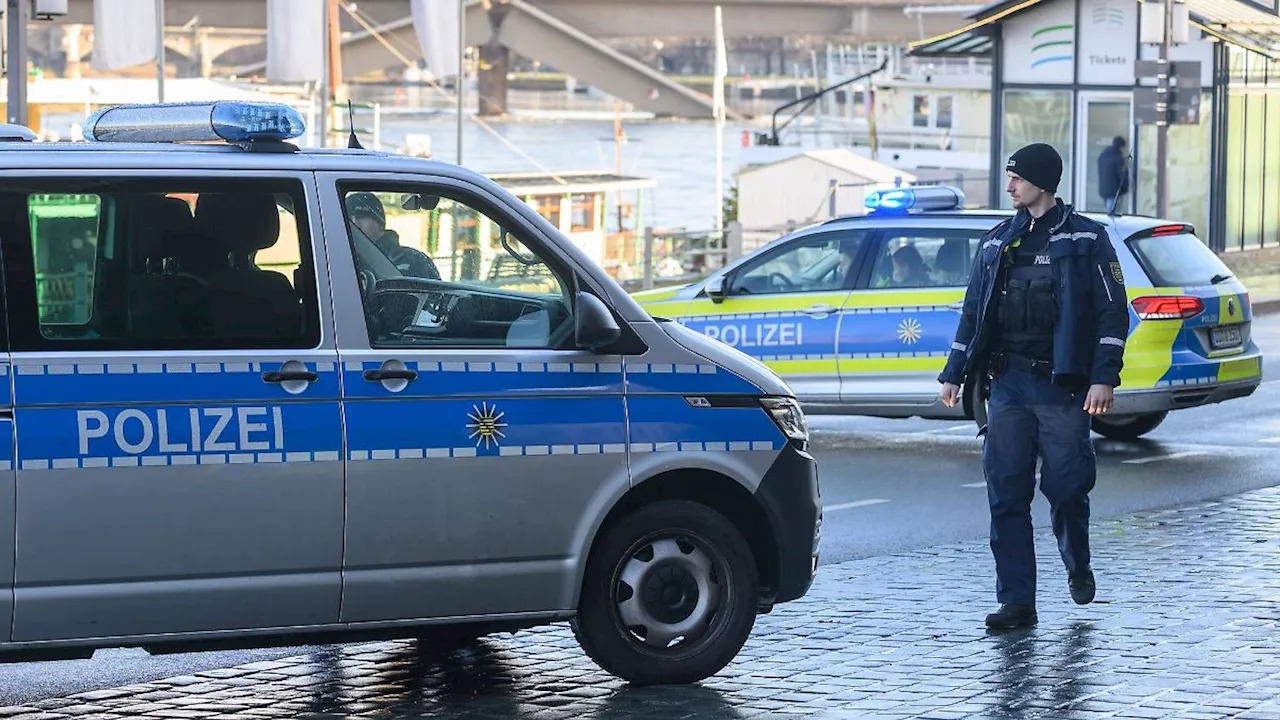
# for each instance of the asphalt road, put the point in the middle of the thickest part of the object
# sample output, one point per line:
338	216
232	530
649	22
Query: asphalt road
888	486
894	485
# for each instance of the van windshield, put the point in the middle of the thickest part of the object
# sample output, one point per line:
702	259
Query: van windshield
1178	260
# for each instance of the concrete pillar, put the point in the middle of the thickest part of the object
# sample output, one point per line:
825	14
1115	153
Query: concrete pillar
72	40
495	61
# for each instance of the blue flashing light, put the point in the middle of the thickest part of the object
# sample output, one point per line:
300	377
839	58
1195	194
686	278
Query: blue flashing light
228	121
903	200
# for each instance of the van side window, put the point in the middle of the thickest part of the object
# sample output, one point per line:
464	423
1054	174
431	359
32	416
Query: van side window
440	271
139	265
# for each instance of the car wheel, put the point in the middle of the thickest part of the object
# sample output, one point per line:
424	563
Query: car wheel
1129	427
669	596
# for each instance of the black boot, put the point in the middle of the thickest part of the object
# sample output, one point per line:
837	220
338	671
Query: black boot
1083	587
1009	617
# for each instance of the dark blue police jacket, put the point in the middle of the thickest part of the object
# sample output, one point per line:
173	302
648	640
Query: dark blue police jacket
1093	312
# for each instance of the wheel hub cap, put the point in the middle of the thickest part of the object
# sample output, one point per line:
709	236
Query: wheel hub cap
668	592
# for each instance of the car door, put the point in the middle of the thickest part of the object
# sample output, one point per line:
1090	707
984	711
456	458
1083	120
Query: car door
8	482
479	439
176	400
783	308
901	319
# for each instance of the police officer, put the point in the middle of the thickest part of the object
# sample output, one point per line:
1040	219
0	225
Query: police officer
369	217
1044	322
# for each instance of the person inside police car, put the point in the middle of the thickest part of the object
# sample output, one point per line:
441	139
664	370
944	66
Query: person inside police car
1045	322
370	219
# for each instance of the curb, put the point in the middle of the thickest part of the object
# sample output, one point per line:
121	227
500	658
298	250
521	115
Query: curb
1266	307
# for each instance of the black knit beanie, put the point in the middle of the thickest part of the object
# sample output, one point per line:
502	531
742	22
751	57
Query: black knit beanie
1038	164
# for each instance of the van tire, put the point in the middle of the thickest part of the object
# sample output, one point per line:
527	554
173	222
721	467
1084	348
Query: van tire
1130	427
705	575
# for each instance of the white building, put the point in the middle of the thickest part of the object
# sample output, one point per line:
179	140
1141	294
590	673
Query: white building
798	190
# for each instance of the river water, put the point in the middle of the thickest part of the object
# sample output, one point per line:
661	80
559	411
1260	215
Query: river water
679	155
563	132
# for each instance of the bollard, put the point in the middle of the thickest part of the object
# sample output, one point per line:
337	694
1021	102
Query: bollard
648	257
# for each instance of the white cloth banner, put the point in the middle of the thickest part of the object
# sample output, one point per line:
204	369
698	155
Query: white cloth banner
435	22
295	40
722	68
124	34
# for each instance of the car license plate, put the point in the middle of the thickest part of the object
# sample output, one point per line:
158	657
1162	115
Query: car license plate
1225	336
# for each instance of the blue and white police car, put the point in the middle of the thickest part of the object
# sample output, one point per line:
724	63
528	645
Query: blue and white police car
231	417
858	314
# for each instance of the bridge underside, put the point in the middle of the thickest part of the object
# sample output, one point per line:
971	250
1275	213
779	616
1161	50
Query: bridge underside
567	34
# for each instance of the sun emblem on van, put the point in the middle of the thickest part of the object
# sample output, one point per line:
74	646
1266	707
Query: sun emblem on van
909	331
486	425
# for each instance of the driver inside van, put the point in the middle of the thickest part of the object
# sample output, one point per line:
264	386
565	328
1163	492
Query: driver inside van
370	219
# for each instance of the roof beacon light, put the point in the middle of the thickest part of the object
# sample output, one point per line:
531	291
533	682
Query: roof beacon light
227	121
902	200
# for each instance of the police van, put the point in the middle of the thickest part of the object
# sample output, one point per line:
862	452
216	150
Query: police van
230	419
858	313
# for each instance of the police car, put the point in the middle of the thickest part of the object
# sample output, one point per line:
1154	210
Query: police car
858	314
229	420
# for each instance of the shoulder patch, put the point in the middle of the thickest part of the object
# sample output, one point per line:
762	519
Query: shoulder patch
1116	273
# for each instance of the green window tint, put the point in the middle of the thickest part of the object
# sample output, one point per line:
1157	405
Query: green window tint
64	232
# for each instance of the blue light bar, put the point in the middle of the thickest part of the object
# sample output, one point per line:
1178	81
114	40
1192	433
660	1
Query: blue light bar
222	120
901	200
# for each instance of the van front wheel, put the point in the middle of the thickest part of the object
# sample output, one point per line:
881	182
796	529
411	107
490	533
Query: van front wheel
670	595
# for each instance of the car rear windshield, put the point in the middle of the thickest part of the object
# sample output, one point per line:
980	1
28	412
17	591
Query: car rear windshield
1181	259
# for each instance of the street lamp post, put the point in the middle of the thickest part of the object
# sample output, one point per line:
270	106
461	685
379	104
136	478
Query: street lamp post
1162	129
16	60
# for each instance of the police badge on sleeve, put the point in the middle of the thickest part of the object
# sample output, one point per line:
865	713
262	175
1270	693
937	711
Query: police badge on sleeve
1116	273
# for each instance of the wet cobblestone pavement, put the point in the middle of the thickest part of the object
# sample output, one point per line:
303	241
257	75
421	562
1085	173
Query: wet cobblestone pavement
1186	625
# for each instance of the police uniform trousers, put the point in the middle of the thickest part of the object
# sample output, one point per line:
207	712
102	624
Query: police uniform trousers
1029	417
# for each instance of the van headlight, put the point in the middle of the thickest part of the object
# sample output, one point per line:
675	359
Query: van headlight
786	412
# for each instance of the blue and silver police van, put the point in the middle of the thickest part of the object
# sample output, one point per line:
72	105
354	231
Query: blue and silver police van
260	395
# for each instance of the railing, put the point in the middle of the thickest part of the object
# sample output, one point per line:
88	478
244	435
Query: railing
665	258
827	133
64	298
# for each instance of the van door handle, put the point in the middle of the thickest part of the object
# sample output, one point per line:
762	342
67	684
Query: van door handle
958	305
392	374
279	376
818	310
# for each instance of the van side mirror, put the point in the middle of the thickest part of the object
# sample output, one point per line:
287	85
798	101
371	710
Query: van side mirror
716	289
594	324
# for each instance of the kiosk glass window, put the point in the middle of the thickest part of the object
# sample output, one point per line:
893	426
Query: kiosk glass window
1189	176
1032	116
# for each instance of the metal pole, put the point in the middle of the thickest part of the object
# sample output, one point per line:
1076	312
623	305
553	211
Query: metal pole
648	258
325	80
160	50
1162	129
16	60
462	62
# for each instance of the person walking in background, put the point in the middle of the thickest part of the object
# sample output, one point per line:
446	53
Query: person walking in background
1045	319
1113	174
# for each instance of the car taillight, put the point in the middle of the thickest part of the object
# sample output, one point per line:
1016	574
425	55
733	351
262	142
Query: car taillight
1168	308
1169	230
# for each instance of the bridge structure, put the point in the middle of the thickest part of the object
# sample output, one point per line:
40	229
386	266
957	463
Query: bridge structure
572	36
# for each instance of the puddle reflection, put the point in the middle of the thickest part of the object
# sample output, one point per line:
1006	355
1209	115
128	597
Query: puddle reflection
1039	672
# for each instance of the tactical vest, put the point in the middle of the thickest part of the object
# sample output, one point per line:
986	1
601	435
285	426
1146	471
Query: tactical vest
1028	307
